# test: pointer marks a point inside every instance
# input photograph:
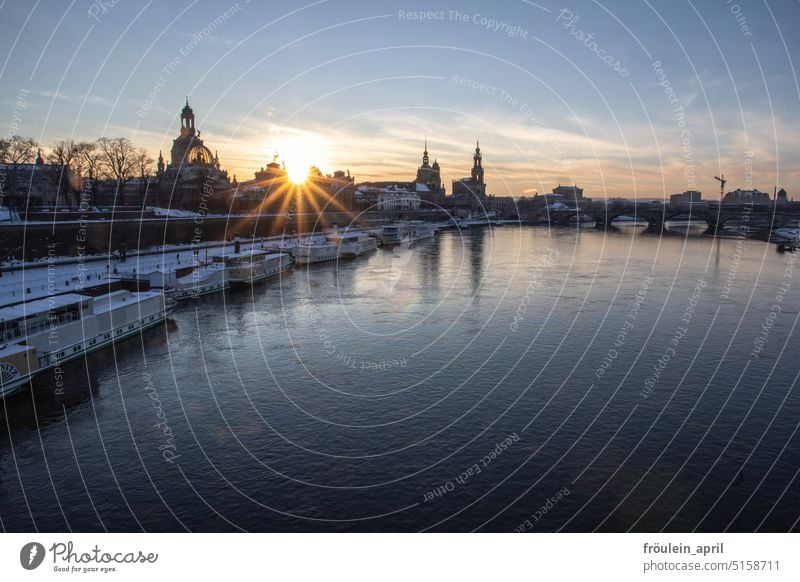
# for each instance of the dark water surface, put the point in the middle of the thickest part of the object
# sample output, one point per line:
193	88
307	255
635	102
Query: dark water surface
475	381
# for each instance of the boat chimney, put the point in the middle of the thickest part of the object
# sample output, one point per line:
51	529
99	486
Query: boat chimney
237	246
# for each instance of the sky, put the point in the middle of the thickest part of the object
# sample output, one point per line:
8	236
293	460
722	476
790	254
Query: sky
625	99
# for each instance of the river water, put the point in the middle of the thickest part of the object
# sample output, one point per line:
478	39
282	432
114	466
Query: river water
496	380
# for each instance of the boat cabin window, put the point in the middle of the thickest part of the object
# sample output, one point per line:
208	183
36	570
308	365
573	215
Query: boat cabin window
38	322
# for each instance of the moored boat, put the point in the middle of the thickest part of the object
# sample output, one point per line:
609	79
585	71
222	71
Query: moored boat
352	243
396	234
336	244
202	281
421	230
42	334
243	268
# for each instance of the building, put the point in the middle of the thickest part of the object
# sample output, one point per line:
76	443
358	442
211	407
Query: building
39	184
193	180
269	191
564	196
568	192
366	197
428	183
688	197
273	192
469	194
781	197
739	196
397	199
331	192
380	196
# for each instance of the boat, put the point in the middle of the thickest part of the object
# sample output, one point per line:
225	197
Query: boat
42	334
284	245
396	234
315	252
472	222
203	280
277	263
421	230
336	244
352	243
246	268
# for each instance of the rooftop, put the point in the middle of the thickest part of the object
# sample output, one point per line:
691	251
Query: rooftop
40	305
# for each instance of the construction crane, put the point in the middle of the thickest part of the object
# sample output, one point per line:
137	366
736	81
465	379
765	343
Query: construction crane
721	181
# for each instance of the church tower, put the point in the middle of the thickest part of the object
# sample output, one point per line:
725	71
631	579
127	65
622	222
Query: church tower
428	183
477	165
187	120
436	176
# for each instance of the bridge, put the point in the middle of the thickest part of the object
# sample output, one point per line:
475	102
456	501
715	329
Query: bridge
763	217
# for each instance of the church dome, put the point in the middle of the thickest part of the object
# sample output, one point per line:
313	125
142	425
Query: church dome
199	154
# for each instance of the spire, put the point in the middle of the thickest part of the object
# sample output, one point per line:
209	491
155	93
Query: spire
187	121
477	164
425	154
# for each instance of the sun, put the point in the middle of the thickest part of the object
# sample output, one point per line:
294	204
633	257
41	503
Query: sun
297	175
301	152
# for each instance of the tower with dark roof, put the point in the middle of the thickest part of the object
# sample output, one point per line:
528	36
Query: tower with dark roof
193	173
428	183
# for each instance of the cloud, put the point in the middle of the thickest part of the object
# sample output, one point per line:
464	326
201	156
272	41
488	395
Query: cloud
74	99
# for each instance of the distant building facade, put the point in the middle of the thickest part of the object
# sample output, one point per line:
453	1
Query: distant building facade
38	184
565	196
386	196
781	197
332	192
568	192
739	196
688	197
267	192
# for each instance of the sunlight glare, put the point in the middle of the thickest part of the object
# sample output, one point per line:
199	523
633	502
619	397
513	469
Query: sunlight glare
300	153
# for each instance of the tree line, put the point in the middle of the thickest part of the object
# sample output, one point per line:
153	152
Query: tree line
108	158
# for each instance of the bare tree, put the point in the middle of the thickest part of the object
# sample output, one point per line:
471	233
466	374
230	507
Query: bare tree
88	159
118	157
14	152
66	155
18	150
88	165
144	165
63	153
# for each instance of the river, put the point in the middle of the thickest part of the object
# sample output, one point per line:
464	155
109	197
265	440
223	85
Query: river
521	379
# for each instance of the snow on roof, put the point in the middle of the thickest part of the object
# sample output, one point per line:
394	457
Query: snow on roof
40	305
117	299
422	187
11	349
